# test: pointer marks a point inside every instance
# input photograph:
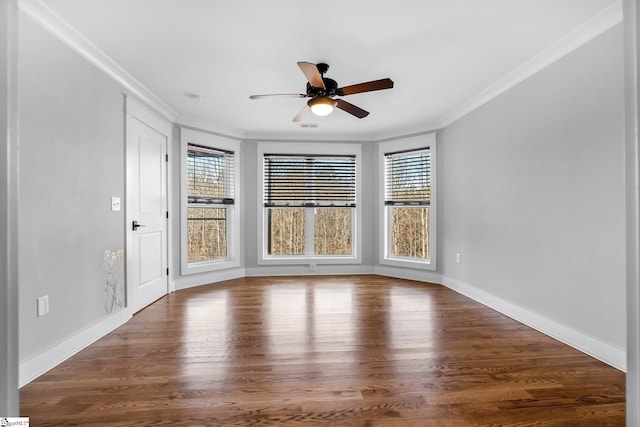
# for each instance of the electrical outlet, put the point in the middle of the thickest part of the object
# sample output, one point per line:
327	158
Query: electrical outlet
458	259
43	305
312	267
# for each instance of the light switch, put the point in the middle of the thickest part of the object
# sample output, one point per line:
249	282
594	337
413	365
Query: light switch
43	305
115	203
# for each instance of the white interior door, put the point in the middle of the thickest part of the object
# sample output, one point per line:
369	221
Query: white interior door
147	274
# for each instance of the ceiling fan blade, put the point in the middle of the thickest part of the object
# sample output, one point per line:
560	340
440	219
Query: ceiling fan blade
351	109
365	87
279	95
312	74
302	114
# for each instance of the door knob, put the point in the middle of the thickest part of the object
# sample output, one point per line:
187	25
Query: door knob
135	225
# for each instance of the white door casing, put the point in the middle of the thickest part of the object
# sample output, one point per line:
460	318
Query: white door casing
146	208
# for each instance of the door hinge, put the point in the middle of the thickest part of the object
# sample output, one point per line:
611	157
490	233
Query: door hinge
167	214
167	271
166	157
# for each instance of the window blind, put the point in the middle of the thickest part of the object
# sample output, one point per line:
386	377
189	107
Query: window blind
210	175
309	180
408	178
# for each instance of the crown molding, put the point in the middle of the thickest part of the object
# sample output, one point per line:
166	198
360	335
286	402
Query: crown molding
427	127
205	126
62	30
603	21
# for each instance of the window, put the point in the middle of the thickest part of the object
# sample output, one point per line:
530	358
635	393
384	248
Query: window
209	202
209	191
309	203
408	208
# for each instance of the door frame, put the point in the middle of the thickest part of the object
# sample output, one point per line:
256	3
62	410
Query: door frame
631	22
9	160
134	110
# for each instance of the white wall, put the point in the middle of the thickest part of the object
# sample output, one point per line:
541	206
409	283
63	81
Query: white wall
72	162
532	197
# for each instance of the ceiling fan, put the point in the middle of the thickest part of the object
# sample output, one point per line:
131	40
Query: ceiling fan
322	91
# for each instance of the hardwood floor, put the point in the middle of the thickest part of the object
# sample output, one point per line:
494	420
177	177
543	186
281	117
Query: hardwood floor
338	350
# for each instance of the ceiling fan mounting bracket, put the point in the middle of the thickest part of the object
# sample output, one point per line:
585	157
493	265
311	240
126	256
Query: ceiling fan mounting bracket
322	67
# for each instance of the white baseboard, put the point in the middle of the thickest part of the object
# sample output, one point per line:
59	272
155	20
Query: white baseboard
192	281
303	270
37	365
408	274
594	347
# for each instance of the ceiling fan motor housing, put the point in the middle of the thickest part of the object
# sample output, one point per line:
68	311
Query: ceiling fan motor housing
330	85
330	88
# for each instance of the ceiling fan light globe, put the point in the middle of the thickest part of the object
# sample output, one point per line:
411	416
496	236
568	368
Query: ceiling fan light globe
322	109
322	105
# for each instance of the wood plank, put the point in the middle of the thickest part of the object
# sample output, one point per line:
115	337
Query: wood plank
344	351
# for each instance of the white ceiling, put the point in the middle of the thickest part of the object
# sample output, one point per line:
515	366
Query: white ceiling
441	54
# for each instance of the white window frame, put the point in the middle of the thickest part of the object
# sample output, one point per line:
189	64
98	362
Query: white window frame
232	260
356	232
410	143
